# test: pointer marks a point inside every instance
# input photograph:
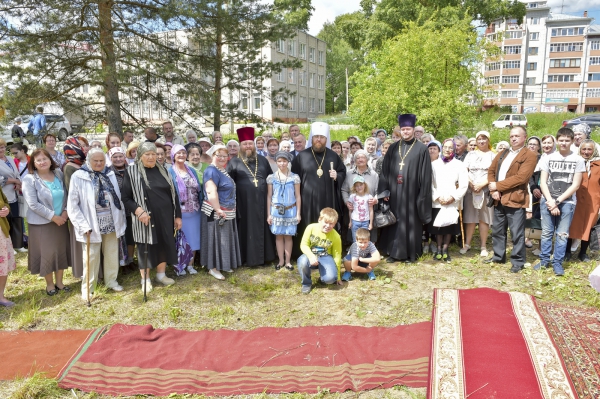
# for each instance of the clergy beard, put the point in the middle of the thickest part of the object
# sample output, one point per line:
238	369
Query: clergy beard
249	158
318	147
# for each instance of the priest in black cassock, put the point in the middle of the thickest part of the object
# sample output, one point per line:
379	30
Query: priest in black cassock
322	173
249	171
406	173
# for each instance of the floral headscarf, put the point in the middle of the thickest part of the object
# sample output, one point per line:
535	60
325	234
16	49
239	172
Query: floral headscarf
451	157
73	149
101	181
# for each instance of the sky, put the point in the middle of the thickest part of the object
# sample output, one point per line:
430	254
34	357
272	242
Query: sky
327	10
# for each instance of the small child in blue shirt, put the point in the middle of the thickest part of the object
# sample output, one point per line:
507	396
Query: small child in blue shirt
362	256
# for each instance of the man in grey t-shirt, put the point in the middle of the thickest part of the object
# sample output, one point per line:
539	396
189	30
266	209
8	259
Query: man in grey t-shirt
562	172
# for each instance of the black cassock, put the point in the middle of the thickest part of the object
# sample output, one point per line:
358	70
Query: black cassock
257	243
317	192
410	201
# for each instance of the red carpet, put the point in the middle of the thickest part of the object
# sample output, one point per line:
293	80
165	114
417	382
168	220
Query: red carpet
492	344
131	360
25	353
576	332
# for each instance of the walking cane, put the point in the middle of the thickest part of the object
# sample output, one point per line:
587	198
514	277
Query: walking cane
462	229
338	225
88	269
145	269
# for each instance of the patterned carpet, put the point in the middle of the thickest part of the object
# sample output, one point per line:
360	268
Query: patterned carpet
576	332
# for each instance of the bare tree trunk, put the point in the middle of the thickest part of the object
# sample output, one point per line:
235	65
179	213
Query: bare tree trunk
218	70
109	67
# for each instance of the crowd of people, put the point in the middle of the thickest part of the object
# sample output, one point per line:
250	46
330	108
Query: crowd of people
94	205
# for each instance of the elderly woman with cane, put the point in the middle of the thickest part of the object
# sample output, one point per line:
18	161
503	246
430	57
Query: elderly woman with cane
150	196
98	218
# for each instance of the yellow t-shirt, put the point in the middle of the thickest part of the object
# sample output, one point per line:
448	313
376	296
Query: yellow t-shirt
316	243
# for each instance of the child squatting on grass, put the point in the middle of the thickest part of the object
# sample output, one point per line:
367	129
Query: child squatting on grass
362	256
321	248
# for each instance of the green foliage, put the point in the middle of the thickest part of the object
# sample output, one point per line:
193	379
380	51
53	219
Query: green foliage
410	74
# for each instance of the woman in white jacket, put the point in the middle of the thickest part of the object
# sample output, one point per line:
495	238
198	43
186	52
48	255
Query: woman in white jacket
97	213
449	184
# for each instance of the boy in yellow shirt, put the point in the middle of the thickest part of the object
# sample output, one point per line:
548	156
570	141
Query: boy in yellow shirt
321	248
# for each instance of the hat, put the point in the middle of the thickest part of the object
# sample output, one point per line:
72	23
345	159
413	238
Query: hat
245	133
115	150
283	154
358	179
175	149
216	148
582	128
435	142
232	142
204	139
407	120
319	129
168	143
484	133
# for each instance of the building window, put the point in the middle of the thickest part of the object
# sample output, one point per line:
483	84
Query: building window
302	104
492	37
280	44
562	93
591	109
510	79
567	32
311	80
279	101
281	76
492	80
565	63
530	95
513	34
532	5
533	36
593	77
257	101
535	21
292	48
492	66
292	102
321	106
512	49
532	51
311	105
244	102
595	45
321	57
530	81
562	47
595	92
594	60
560	78
509	93
511	64
321	81
302	52
291	76
532	66
311	54
302	78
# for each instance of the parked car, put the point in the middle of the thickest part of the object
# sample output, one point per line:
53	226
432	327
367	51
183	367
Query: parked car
510	120
57	125
6	135
593	120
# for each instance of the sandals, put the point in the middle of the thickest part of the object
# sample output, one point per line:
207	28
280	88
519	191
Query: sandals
465	249
51	292
289	267
65	288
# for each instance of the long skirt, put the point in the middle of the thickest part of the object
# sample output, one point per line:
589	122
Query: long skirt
49	248
76	254
220	243
191	222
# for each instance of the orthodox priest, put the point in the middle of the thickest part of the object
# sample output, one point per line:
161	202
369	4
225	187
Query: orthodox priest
322	173
249	171
406	174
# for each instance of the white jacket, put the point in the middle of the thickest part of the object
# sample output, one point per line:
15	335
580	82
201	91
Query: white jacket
446	177
81	207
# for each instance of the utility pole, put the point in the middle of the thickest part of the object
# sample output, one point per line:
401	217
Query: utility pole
346	90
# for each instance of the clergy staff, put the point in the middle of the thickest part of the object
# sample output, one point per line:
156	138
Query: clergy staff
406	174
322	173
249	171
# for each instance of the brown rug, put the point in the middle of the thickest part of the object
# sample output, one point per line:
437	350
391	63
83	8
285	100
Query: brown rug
25	353
576	332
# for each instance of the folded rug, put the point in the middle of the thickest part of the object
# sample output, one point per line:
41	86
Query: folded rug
492	344
131	360
576	332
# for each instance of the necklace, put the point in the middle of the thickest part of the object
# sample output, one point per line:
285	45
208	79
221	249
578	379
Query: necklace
319	170
255	181
404	157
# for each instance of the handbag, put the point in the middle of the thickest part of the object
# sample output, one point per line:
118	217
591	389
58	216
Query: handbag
533	228
447	216
595	279
23	207
383	214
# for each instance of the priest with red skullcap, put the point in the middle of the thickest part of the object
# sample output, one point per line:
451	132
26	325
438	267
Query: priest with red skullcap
406	175
249	171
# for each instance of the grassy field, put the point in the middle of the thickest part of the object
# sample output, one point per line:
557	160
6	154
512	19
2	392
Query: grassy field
261	296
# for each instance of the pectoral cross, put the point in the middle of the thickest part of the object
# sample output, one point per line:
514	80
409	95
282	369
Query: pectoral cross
255	182
401	164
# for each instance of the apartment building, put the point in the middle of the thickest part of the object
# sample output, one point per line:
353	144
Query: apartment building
549	63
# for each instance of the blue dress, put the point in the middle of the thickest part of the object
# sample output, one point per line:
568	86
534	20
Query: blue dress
284	194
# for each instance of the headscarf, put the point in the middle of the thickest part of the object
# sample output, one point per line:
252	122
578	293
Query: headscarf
181	188
502	142
100	181
74	151
284	142
175	149
115	150
262	152
451	157
486	134
142	149
583	128
595	156
436	143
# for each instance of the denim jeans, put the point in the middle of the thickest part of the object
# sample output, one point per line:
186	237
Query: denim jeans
555	224
327	269
357	225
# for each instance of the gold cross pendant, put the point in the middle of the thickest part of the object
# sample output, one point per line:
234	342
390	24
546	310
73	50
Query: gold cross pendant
401	164
255	182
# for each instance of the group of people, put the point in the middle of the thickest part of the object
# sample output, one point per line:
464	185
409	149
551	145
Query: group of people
252	201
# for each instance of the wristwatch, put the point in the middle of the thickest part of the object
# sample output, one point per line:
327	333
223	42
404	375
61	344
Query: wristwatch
557	201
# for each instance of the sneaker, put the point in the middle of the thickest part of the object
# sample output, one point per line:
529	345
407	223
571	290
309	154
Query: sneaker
306	289
446	257
539	266
216	274
484	253
347	276
558	270
117	288
465	249
584	258
148	285
371	275
437	256
191	270
516	269
180	273
165	281
536	252
21	250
